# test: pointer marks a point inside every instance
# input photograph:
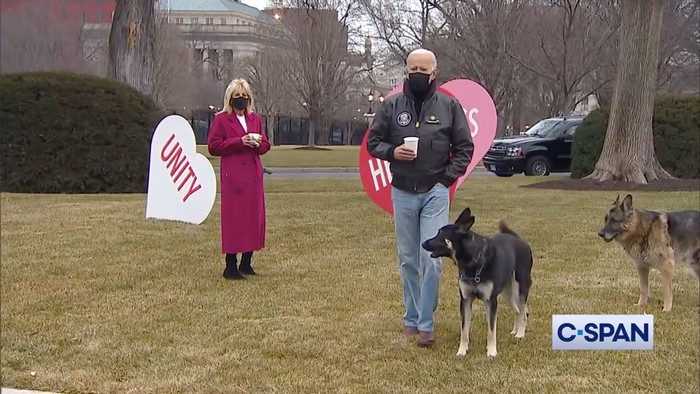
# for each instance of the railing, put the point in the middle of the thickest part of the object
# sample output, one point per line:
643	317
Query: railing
194	29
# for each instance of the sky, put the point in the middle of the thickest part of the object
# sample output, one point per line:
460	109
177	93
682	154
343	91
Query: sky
259	4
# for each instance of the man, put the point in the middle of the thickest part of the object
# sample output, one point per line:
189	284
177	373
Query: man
421	180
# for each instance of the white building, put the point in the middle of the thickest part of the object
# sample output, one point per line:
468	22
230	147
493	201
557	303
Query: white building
586	106
218	31
372	80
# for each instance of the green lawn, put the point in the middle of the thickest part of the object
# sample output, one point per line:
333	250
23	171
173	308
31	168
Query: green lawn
289	156
96	299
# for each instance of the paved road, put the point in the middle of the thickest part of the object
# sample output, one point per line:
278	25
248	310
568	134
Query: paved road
304	173
16	391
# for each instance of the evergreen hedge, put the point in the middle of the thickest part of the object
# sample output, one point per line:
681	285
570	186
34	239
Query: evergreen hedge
72	133
676	128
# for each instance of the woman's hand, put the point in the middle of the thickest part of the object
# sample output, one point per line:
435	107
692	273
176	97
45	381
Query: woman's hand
249	141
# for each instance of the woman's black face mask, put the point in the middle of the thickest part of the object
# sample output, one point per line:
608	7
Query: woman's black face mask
239	103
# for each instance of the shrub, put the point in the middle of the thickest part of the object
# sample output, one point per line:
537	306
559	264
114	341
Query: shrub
72	133
676	128
588	142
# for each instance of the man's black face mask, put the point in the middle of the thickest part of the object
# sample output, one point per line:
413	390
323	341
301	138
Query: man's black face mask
419	83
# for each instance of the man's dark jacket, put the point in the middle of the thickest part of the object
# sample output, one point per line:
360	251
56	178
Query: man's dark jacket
442	129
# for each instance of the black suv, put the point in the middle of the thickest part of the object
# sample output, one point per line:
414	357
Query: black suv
544	148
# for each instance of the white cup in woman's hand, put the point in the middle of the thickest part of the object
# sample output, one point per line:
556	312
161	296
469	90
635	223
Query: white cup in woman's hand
256	138
250	140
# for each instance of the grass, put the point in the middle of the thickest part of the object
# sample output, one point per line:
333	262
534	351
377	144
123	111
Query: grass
288	156
97	299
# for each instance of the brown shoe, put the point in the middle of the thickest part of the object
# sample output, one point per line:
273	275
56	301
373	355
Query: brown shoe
409	331
425	339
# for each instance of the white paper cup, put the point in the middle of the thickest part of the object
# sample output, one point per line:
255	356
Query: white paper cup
257	137
411	143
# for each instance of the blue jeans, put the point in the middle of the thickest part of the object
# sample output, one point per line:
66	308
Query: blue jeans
417	217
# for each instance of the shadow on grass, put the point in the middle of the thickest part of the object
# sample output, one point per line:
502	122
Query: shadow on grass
312	148
593	185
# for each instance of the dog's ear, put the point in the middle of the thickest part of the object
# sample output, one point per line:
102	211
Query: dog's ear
627	203
617	200
464	216
463	227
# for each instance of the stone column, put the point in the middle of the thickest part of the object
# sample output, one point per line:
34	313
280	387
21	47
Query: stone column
198	57
228	64
214	62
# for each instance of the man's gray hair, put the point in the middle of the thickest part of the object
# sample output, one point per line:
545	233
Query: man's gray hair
423	51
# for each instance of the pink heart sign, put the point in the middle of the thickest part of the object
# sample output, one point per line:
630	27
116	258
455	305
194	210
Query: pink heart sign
480	111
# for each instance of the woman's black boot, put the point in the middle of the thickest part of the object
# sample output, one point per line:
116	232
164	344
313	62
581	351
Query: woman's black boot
245	264
231	272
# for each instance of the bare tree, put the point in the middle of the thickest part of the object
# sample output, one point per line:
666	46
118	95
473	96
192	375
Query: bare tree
132	44
472	45
679	50
317	62
403	25
469	38
173	85
204	52
352	112
679	53
263	72
628	151
565	42
211	68
31	39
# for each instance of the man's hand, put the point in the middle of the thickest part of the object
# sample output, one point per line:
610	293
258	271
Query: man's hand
403	153
249	141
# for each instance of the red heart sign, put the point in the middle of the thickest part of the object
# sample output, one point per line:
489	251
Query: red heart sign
480	112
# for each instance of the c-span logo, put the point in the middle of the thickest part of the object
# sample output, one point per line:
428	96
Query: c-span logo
602	332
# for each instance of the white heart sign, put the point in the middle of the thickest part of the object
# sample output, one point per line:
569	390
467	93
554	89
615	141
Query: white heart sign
181	182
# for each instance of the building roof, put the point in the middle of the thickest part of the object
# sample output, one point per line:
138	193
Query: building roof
209	5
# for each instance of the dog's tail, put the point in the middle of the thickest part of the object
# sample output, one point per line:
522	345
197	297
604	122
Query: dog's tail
503	228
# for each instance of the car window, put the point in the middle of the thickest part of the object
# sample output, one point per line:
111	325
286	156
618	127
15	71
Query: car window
545	128
571	131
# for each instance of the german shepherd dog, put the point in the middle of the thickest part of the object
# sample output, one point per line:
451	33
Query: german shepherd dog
655	240
487	267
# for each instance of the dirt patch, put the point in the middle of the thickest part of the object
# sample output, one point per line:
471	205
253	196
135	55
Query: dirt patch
311	148
590	184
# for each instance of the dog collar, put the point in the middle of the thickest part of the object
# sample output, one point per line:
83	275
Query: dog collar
464	277
477	276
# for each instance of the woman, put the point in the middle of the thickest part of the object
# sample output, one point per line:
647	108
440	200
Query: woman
237	136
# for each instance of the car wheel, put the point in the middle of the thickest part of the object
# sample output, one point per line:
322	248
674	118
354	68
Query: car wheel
503	175
537	166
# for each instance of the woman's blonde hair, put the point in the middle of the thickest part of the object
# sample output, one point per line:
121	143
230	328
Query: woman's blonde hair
239	85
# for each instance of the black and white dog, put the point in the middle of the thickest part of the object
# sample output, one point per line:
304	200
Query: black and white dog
487	267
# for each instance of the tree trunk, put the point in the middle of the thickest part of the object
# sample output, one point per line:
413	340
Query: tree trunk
323	135
131	44
348	133
271	127
628	151
312	131
604	96
517	122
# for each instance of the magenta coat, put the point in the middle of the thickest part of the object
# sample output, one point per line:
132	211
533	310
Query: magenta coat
241	177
